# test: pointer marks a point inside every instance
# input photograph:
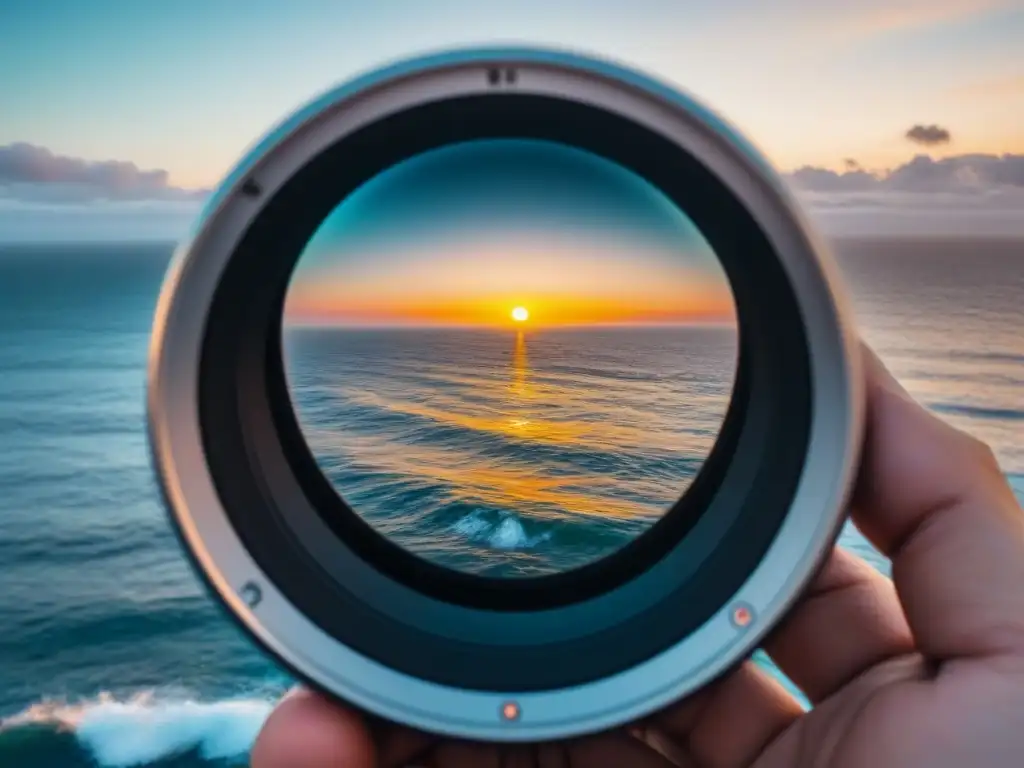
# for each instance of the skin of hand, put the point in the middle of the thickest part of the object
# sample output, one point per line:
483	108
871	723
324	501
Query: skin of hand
923	670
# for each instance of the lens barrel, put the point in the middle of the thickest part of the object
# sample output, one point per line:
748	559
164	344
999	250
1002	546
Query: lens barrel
358	617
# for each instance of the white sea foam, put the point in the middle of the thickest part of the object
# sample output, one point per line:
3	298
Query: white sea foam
144	728
472	526
506	533
509	534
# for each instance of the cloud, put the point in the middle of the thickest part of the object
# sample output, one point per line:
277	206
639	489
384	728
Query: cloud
36	174
963	194
928	135
46	196
968	175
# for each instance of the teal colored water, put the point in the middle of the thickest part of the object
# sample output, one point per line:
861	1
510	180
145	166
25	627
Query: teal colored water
111	654
512	453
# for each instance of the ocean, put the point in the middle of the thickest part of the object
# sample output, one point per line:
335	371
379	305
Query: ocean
111	653
511	452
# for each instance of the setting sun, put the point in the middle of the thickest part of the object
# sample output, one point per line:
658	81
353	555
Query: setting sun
520	314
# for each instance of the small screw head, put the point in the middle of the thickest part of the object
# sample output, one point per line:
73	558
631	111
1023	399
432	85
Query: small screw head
250	188
510	711
742	616
251	594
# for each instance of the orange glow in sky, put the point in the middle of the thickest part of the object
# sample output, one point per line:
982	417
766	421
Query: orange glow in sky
482	287
545	311
331	304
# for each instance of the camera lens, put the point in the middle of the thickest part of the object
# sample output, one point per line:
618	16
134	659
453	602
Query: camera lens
509	357
507	410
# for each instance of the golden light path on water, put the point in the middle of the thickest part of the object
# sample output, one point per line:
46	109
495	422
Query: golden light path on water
530	409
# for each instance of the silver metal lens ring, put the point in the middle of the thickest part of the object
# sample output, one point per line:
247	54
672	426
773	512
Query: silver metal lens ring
541	658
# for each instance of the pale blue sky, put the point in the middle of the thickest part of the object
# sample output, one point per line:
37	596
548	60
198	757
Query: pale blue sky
464	233
186	86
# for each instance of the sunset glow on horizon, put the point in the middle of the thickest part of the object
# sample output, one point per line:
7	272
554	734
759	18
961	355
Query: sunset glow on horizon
564	310
470	235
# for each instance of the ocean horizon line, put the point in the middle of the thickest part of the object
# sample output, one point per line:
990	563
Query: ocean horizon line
497	328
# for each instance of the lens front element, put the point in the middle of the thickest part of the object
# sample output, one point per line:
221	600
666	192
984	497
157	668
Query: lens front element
510	357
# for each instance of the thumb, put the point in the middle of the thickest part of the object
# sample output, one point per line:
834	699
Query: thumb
307	731
934	500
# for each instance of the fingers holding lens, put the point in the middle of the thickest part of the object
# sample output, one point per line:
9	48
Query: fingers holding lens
849	620
307	731
618	749
398	746
934	500
731	722
612	750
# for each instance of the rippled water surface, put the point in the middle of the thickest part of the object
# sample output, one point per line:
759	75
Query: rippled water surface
111	653
512	453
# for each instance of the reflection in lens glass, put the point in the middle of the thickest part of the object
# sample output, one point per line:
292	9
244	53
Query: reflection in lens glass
509	357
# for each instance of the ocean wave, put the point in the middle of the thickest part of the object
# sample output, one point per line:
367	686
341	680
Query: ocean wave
978	412
960	355
561	424
501	531
139	731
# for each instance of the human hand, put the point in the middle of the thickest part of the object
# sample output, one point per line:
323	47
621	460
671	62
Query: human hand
924	670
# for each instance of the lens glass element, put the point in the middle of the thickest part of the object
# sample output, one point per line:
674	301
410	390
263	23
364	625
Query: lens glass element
509	357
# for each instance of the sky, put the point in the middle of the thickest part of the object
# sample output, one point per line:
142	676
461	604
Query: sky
465	234
895	116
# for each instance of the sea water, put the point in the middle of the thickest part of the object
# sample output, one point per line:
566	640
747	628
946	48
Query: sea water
110	651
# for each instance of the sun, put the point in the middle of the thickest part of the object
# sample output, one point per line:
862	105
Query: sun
520	314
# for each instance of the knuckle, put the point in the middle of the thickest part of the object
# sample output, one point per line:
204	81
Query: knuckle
982	453
984	477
